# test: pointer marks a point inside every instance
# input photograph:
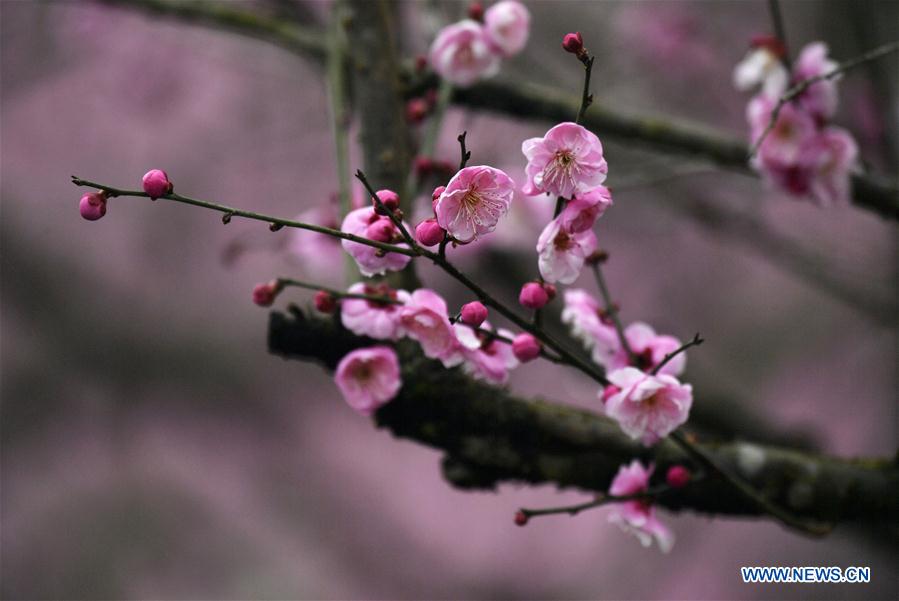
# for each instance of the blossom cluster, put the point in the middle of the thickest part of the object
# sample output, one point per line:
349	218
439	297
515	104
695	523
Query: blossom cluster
801	153
472	49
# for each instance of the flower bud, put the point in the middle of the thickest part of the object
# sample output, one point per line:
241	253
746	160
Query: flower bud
520	518
93	205
573	43
156	183
381	230
550	290
525	347
435	196
416	110
533	296
476	11
390	200
324	302
608	392
428	233
474	313
678	476
264	294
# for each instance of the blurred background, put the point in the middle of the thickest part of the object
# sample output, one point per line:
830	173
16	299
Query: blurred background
151	448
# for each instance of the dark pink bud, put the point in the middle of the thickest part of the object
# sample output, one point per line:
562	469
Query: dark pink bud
525	347
521	518
573	43
390	200
423	166
428	233
93	206
678	476
770	43
416	110
421	63
476	11
156	183
474	313
381	230
435	196
533	296
325	302
264	294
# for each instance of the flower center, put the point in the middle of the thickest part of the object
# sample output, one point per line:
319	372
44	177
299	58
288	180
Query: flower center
563	241
363	371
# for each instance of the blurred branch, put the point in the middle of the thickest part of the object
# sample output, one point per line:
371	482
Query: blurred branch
490	436
524	101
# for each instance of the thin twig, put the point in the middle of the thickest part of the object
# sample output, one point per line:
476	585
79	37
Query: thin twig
586	96
390	214
598	501
230	212
779	31
376	298
465	154
695	342
803	85
612	312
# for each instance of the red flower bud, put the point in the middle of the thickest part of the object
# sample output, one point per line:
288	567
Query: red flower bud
573	43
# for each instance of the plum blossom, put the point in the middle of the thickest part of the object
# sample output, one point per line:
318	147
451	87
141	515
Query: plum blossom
583	314
156	183
507	24
371	261
369	378
648	407
462	53
582	211
473	202
561	253
484	357
836	157
792	129
638	516
378	320
424	318
650	349
568	160
820	99
763	66
92	206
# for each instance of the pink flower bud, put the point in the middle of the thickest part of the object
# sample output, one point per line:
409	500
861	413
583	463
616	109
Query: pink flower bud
474	313
520	518
381	230
678	476
608	392
264	294
325	302
156	183
428	233
550	290
526	347
93	206
435	196
390	200
770	43
476	11
416	110
573	43
533	296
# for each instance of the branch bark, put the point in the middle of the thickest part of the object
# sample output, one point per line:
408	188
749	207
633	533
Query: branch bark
491	436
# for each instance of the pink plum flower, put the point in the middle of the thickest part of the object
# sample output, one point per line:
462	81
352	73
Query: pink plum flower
820	99
378	320
462	54
424	318
638	516
156	183
371	261
583	314
369	378
650	349
561	253
568	160
647	407
92	206
836	158
582	211
507	24
473	202
785	140
484	357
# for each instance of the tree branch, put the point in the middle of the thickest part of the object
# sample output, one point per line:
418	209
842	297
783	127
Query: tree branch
490	436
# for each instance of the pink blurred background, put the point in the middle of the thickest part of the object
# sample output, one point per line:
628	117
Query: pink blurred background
151	448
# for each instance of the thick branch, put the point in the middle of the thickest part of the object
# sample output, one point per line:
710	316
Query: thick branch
491	436
524	101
